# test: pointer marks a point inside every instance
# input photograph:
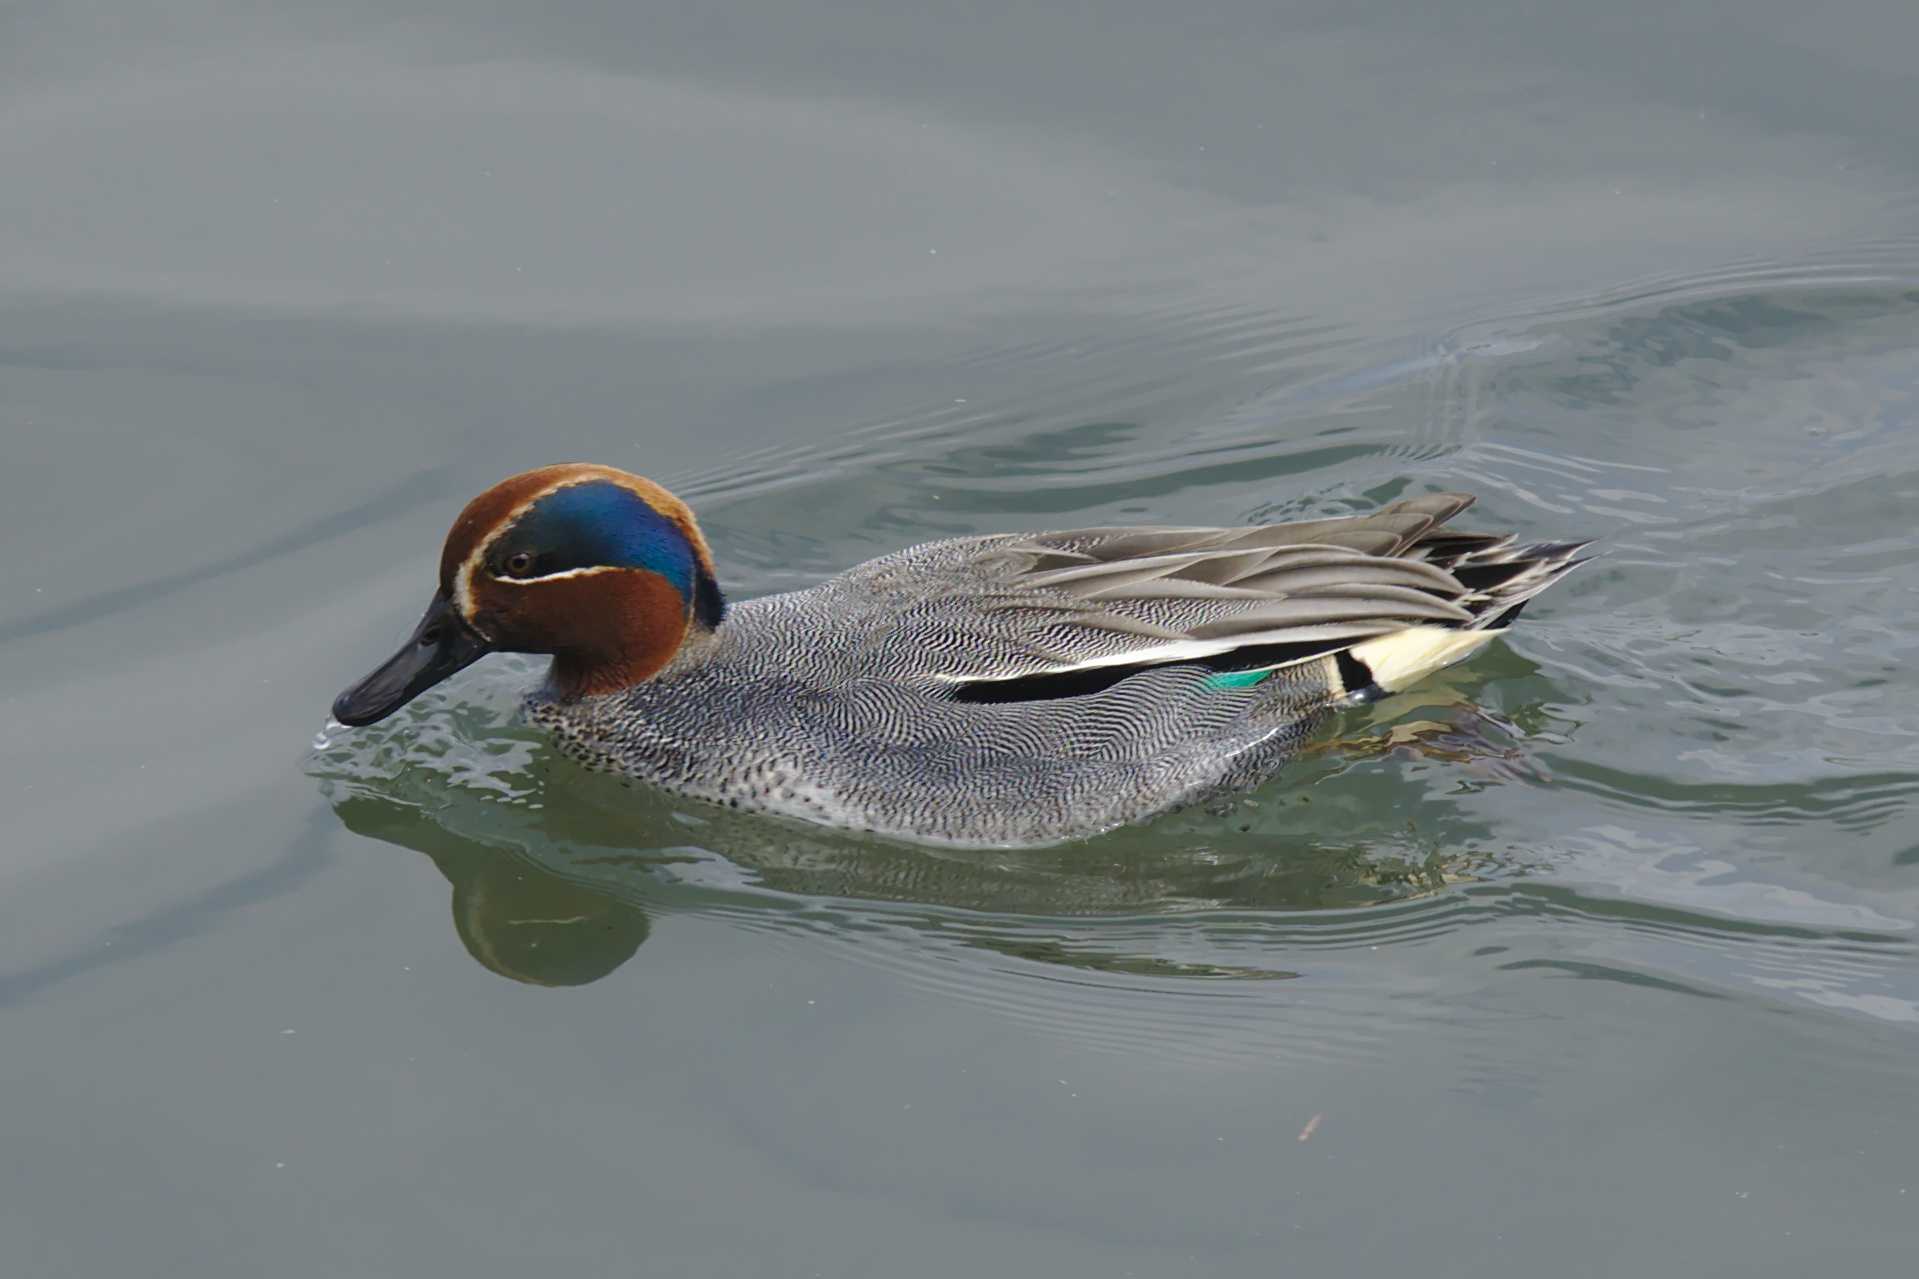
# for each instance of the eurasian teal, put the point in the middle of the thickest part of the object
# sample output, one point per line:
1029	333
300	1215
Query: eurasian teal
1005	690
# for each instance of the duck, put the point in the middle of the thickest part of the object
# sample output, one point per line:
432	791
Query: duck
1000	690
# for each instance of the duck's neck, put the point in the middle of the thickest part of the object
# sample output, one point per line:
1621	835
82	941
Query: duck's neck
571	677
574	675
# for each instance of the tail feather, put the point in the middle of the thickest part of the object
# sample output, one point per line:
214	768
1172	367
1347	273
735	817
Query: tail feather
1498	581
1500	576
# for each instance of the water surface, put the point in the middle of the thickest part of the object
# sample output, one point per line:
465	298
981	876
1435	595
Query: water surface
1594	957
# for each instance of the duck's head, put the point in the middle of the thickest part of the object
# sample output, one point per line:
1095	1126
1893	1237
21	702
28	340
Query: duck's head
605	571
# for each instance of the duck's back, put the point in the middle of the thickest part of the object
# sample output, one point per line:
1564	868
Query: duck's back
1030	688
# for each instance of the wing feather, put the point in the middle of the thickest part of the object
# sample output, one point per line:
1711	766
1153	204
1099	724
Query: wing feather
1007	607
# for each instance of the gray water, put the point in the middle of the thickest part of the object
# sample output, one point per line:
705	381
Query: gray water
1593	957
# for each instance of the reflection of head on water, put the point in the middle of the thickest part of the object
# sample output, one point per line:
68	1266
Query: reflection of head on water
515	918
553	877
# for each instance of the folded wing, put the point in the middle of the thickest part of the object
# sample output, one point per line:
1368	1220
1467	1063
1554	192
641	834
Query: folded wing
1040	614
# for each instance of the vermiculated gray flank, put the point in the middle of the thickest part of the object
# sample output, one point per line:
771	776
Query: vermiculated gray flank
1029	688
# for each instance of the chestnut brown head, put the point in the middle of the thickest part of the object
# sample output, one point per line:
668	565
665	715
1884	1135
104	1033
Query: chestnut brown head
605	571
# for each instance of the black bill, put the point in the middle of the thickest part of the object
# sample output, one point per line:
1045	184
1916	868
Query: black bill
442	644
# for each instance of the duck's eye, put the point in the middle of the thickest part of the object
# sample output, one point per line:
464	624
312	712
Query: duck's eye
520	564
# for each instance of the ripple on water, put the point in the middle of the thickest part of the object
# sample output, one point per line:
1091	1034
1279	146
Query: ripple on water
1695	786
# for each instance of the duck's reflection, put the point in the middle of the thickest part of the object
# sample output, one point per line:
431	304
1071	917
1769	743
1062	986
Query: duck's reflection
514	917
554	871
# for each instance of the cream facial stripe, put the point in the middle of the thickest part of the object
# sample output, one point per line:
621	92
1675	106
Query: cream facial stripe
463	580
563	574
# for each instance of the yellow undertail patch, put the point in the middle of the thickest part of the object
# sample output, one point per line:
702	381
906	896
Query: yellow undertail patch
1403	658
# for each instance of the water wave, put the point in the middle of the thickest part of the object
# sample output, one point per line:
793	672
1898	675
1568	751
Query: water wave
1628	804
